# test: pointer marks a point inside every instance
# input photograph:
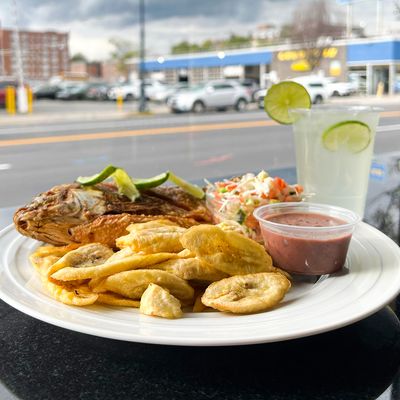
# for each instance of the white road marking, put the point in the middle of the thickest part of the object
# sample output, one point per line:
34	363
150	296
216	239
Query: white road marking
388	128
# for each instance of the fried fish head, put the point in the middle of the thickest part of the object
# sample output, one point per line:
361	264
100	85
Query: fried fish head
244	294
157	301
230	252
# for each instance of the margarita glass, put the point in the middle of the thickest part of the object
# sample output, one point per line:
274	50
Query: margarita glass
334	147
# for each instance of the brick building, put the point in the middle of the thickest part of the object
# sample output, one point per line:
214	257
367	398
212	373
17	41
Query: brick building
44	54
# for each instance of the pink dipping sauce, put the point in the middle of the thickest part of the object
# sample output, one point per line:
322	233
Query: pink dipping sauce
308	252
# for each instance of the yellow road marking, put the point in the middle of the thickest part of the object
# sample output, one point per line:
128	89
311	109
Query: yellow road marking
389	114
150	131
138	132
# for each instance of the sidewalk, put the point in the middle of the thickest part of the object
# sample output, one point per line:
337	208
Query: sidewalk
63	113
366	100
58	112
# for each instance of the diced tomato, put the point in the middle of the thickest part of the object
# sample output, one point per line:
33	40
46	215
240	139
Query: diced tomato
280	183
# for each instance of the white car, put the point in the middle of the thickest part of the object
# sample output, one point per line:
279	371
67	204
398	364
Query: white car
163	93
316	87
337	88
131	91
211	95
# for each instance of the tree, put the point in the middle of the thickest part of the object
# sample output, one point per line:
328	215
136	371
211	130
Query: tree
78	57
397	9
185	47
313	28
123	51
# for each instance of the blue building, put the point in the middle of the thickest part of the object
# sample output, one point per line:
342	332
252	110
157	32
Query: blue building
372	62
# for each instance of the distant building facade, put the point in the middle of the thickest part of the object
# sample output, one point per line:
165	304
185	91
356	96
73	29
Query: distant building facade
368	61
86	70
43	54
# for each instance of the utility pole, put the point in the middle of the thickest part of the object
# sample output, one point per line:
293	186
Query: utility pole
349	19
378	17
142	99
22	98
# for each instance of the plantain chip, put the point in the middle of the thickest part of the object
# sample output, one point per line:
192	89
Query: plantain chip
132	284
59	251
114	299
159	302
43	263
121	254
75	296
228	251
85	256
191	268
157	223
245	294
113	267
153	240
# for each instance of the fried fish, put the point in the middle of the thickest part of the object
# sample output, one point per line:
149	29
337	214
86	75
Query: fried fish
72	213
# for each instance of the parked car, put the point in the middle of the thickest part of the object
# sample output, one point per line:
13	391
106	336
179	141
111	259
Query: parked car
46	91
131	91
3	86
74	91
315	86
252	87
211	95
336	88
97	91
163	94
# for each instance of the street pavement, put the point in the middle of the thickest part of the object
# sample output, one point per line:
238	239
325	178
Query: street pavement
35	155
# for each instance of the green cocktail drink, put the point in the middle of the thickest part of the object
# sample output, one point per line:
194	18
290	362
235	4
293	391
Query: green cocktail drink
334	147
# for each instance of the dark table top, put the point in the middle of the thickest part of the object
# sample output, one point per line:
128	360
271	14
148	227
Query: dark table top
361	361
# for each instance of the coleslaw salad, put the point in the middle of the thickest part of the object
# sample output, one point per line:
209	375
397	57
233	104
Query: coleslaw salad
235	199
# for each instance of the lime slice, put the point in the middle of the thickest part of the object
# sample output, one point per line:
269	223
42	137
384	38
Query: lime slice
283	96
97	178
194	190
125	184
355	136
151	182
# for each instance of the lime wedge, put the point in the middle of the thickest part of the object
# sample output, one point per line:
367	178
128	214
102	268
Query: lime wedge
97	178
125	184
151	182
194	190
355	136
283	96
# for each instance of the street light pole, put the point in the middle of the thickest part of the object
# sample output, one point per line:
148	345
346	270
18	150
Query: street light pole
142	100
349	19
22	98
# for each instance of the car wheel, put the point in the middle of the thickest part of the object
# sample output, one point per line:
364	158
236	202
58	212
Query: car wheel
318	99
198	107
129	97
241	105
336	93
261	103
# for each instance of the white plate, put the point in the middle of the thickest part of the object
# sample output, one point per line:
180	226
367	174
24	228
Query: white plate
370	280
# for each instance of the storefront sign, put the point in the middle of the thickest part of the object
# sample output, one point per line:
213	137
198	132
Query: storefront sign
295	55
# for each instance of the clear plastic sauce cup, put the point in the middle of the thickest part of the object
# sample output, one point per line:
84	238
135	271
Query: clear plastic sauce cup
307	238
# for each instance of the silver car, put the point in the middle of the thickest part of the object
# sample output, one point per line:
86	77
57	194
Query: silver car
211	95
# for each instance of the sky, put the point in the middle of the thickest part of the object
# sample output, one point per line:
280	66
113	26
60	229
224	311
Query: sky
91	23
